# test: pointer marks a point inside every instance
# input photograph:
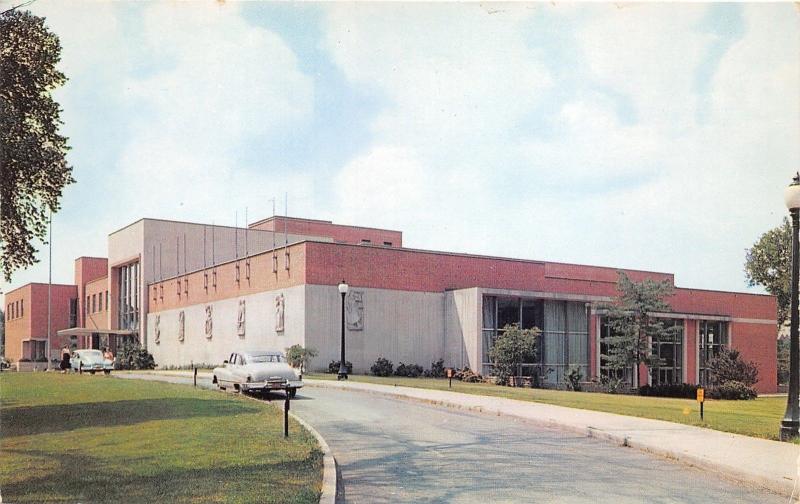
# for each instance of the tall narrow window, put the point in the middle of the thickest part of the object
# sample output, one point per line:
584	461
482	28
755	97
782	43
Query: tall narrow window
713	338
669	351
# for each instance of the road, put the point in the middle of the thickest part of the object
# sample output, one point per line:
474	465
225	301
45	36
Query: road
393	450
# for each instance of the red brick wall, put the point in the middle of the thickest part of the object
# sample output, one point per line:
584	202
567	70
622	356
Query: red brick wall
405	269
338	232
86	270
33	323
758	343
690	342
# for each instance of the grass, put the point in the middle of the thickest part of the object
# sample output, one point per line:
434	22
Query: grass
759	418
72	438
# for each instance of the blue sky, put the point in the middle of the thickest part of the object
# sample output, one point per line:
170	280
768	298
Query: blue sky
649	136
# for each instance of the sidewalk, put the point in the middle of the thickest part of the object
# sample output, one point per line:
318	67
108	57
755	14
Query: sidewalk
770	464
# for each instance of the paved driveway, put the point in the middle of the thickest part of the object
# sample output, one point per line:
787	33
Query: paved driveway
393	450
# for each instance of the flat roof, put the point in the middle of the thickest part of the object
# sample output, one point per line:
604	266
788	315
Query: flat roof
301	219
38	283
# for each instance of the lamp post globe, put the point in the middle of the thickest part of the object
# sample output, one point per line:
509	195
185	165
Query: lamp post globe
790	425
343	288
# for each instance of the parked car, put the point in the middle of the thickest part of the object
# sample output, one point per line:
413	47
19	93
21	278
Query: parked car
91	361
257	371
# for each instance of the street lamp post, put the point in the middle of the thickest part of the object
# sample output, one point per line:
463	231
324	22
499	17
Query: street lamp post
343	287
790	425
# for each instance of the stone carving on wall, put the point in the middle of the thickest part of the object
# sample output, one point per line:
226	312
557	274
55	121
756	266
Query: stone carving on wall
181	324
354	310
157	329
240	318
209	322
279	308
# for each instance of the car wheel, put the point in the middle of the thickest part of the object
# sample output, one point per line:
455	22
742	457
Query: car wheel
107	371
291	392
91	372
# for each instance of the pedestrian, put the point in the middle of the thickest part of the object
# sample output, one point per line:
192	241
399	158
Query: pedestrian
65	357
107	355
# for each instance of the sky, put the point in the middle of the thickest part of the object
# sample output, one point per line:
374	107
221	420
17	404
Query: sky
647	136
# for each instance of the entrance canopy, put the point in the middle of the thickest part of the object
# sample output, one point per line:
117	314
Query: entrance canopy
83	331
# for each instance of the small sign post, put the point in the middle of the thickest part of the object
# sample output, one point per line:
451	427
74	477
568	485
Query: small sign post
701	400
450	377
286	415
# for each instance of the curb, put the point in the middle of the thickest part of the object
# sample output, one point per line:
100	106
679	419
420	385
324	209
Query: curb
329	473
784	488
328	494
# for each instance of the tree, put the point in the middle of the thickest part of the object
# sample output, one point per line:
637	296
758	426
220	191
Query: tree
768	263
298	356
728	366
634	326
33	166
783	360
511	349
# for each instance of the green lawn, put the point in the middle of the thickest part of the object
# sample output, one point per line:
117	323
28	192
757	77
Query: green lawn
760	417
71	438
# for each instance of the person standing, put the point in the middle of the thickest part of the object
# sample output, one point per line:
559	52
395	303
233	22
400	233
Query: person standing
65	357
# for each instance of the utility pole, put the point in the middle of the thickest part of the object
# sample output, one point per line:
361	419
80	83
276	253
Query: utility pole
49	287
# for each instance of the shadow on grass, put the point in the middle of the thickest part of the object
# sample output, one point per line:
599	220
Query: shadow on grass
32	420
85	479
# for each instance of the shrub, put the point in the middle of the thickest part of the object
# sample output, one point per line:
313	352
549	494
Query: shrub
382	367
133	356
728	366
437	370
511	349
611	384
734	390
298	356
679	390
410	370
333	367
574	377
467	376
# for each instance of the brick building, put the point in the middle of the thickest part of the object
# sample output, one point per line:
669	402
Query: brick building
194	293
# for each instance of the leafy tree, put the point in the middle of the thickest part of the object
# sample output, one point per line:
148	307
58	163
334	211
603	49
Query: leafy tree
298	356
783	360
33	167
511	349
768	263
633	324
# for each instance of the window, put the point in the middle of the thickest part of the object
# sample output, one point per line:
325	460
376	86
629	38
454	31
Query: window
669	350
501	311
106	300
94	305
566	339
87	306
128	303
364	241
713	338
387	244
99	301
21	307
73	313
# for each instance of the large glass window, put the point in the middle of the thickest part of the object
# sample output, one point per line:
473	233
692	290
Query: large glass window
566	340
128	307
565	335
713	337
669	349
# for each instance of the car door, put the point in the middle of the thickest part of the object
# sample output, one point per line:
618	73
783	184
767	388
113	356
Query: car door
224	375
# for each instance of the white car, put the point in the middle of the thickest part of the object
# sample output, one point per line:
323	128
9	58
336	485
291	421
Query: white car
257	371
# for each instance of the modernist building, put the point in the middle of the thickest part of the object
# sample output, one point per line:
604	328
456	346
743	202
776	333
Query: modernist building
194	292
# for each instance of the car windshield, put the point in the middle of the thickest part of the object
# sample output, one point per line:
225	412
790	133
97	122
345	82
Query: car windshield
256	358
91	354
